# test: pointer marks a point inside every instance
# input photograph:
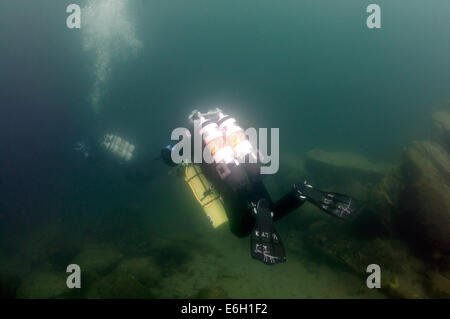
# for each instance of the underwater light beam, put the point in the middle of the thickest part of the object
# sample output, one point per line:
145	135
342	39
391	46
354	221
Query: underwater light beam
111	36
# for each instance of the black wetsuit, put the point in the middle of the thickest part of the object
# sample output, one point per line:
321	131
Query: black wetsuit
241	188
249	206
237	203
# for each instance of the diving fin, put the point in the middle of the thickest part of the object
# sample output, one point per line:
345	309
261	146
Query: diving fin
335	204
265	242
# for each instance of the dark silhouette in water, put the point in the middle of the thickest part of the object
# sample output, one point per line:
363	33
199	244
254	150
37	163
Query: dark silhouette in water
249	207
115	153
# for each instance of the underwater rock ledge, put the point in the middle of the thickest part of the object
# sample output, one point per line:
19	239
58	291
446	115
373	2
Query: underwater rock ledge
441	128
405	225
343	167
424	215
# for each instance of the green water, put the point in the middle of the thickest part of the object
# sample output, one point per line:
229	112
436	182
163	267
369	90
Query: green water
310	68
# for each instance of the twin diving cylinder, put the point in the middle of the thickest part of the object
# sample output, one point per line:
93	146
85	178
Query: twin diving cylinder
229	148
227	143
236	138
118	146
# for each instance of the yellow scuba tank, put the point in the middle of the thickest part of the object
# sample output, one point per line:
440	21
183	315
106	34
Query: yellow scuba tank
205	194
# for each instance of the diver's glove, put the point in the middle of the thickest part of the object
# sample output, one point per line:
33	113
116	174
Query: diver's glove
338	205
265	243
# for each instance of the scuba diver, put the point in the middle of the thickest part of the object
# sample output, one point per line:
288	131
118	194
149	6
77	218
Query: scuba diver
112	150
230	187
110	143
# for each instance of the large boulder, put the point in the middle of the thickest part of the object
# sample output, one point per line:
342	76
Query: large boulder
438	285
424	209
48	243
118	285
144	269
441	128
96	259
402	273
340	168
43	285
211	293
378	217
132	278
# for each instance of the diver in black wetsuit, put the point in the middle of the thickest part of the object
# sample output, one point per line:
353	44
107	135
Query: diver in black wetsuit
116	152
249	207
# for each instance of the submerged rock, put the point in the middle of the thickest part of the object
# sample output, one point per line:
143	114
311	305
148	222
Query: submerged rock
132	278
49	243
143	269
343	167
424	210
172	254
43	285
438	285
378	217
441	128
8	286
412	202
401	272
118	285
211	293
96	258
